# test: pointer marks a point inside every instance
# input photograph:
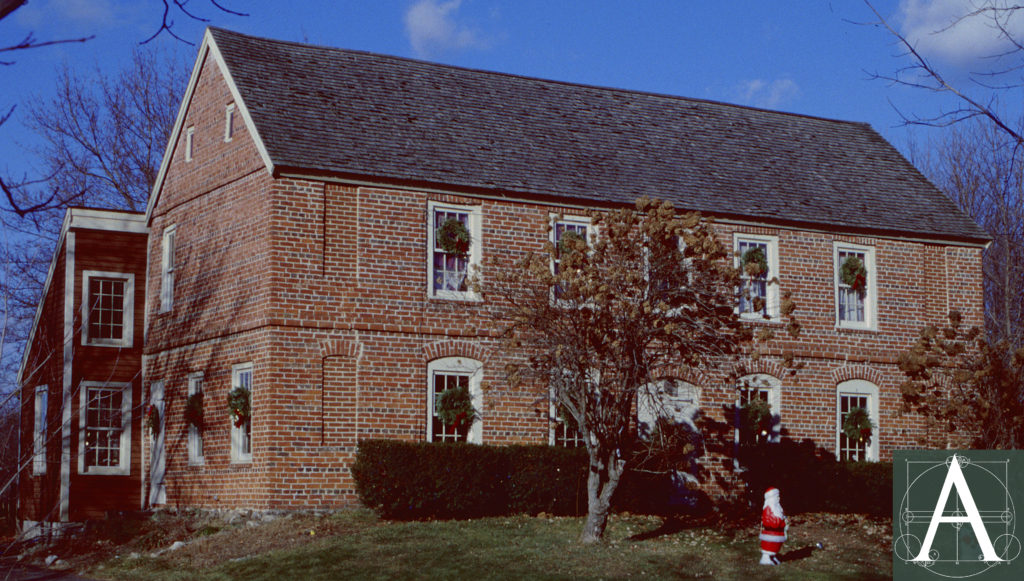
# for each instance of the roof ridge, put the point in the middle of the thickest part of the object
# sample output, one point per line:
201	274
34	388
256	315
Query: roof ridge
590	86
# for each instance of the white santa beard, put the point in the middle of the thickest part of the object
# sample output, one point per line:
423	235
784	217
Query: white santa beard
775	506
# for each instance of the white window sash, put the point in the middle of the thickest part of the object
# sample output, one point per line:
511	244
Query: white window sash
474	216
196	451
125	432
127	309
40	430
242	435
459	366
771	292
167	268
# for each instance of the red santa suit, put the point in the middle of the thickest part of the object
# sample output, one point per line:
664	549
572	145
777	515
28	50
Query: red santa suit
773	527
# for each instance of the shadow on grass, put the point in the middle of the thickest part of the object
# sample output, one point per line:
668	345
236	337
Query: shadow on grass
801	553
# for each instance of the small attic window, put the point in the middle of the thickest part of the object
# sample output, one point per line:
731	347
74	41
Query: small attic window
229	122
189	142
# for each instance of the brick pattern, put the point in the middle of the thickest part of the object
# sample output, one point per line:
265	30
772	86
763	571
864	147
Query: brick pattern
323	287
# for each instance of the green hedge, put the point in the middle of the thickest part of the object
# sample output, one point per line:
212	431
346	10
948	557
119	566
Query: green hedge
411	480
417	480
811	480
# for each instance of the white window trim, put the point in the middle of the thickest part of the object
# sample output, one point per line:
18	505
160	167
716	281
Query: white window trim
39	430
128	322
237	456
125	466
458	365
774	385
554	221
772	288
861	387
475	249
871	293
189	143
195	436
229	122
168	267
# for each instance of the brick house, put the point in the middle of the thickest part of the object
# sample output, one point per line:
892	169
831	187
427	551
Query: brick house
291	253
80	378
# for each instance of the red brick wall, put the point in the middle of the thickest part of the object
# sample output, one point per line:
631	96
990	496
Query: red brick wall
324	288
90	495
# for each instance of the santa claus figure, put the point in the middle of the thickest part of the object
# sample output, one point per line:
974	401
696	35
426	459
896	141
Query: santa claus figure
773	528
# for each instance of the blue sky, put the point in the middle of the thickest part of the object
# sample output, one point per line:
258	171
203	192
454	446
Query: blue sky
804	56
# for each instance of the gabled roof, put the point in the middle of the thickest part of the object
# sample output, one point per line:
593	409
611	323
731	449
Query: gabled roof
386	119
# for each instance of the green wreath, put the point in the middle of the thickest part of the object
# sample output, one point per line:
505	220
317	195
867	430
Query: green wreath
238	405
854	274
754	262
570	242
455	408
857	426
756	417
153	420
194	410
453	237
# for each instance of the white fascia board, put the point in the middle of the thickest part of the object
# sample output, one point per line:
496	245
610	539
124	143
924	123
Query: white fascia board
108	220
207	48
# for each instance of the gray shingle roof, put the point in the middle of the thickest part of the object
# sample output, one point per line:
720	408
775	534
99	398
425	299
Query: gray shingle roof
389	118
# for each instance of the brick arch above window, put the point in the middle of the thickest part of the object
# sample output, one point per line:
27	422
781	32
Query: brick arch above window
761	366
689	375
342	347
454	348
849	372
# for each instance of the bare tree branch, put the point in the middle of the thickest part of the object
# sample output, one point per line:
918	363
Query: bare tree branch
167	24
936	82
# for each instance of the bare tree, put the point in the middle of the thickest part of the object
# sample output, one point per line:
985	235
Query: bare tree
103	135
981	168
602	318
978	95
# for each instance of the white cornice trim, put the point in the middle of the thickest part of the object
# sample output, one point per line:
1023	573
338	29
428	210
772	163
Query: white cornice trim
597	205
207	48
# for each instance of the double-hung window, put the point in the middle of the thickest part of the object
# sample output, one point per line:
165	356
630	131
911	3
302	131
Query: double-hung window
241	435
455	246
167	269
855	285
105	428
39	431
195	432
758	409
859	398
108	308
454	373
562	229
757	257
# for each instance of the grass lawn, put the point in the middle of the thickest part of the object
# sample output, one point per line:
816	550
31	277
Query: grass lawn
357	545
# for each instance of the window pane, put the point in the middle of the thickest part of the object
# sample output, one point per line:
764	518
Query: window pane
106	315
754	287
103	428
441	432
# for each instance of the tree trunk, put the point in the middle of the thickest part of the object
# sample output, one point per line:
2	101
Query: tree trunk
605	471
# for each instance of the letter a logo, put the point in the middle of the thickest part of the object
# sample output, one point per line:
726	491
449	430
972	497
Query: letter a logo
955	477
